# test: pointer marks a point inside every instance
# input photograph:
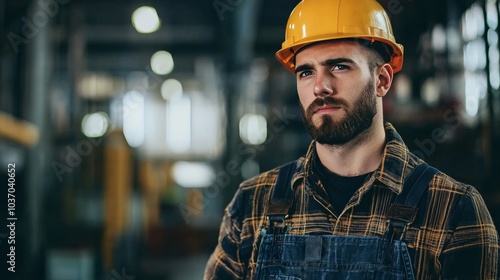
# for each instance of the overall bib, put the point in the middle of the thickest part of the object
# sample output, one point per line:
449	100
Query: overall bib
284	256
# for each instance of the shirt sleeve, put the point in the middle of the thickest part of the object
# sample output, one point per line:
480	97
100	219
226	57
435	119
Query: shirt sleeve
225	263
472	252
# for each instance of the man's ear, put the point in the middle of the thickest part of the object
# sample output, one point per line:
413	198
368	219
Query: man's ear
384	75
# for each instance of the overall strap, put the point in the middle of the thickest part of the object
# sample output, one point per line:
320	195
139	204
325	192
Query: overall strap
404	209
282	197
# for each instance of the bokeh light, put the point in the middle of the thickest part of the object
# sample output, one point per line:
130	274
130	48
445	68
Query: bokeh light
145	20
162	63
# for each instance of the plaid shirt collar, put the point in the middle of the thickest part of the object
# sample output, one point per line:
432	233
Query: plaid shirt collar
391	172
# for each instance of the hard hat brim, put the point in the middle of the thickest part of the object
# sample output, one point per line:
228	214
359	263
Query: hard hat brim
286	55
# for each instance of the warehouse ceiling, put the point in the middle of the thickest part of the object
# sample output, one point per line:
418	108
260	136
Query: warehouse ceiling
194	26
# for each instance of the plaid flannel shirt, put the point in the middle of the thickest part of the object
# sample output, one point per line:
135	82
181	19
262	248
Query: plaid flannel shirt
452	237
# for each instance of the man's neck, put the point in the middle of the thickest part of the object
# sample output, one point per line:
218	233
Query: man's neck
359	156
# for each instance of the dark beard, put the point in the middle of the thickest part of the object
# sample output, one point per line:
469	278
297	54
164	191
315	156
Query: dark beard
357	120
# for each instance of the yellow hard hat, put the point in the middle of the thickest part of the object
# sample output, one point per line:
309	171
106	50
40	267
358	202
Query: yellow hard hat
321	20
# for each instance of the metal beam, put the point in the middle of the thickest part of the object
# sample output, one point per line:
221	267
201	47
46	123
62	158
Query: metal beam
165	35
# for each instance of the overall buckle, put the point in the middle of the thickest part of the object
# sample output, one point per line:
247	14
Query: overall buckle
276	224
396	230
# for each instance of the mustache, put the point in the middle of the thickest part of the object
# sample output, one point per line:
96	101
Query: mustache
325	101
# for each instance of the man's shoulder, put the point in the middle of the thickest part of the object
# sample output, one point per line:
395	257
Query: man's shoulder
253	194
442	182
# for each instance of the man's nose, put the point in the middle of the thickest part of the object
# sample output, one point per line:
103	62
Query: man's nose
323	86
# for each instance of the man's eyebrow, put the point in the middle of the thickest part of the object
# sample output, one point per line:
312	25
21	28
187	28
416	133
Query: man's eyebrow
335	61
328	62
303	67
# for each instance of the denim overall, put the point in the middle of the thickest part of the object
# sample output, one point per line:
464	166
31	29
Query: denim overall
294	257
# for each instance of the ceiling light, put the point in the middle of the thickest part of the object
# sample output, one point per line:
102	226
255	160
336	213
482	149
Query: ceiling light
145	19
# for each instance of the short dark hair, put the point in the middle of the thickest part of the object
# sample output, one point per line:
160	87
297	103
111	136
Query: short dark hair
380	53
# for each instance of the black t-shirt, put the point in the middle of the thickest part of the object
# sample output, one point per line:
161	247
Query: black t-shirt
340	189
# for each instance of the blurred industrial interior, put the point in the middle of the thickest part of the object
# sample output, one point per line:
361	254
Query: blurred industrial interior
130	129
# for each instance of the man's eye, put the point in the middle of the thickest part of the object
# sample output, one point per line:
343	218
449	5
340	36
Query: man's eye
340	67
305	73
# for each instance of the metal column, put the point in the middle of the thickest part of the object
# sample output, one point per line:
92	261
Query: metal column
240	53
39	71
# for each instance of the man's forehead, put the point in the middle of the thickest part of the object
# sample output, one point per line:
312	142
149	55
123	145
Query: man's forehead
332	49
